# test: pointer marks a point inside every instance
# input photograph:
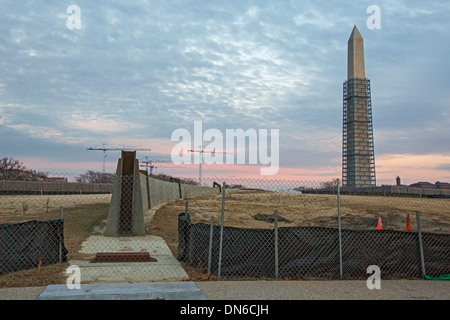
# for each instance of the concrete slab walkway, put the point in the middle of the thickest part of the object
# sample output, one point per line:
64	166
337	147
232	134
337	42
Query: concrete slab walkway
166	268
125	291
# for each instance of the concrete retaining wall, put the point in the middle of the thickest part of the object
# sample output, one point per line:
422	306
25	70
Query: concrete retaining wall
144	191
54	187
164	191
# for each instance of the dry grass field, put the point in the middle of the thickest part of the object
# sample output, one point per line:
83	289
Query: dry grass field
357	212
20	208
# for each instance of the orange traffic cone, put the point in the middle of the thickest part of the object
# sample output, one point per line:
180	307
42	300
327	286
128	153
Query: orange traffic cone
380	225
408	224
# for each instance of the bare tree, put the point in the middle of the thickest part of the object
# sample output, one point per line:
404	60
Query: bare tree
8	164
92	176
37	175
330	185
165	177
13	169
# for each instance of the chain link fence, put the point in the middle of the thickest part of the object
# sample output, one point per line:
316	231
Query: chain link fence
325	234
311	252
102	229
31	244
271	229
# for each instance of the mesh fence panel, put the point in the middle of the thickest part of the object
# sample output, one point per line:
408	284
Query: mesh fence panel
396	253
30	244
309	253
313	251
437	254
33	235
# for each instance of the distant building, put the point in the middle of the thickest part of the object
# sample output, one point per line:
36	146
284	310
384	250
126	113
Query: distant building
398	181
437	185
423	185
442	185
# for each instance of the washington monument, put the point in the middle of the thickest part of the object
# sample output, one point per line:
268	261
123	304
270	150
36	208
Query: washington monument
358	157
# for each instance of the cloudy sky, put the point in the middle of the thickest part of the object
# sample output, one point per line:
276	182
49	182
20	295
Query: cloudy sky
137	71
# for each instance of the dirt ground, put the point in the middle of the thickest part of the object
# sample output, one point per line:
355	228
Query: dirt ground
250	210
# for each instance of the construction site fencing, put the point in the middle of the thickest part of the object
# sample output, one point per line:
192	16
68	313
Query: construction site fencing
104	235
31	244
360	228
310	252
319	230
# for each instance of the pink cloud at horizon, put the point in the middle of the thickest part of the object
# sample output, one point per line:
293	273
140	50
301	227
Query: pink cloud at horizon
411	169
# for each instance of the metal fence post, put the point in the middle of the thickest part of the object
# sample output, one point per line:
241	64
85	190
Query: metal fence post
275	218
419	230
186	209
61	217
221	230
211	234
339	226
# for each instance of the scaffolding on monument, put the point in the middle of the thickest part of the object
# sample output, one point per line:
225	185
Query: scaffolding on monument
349	151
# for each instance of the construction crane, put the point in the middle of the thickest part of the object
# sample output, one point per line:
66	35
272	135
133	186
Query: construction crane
105	148
201	151
149	164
